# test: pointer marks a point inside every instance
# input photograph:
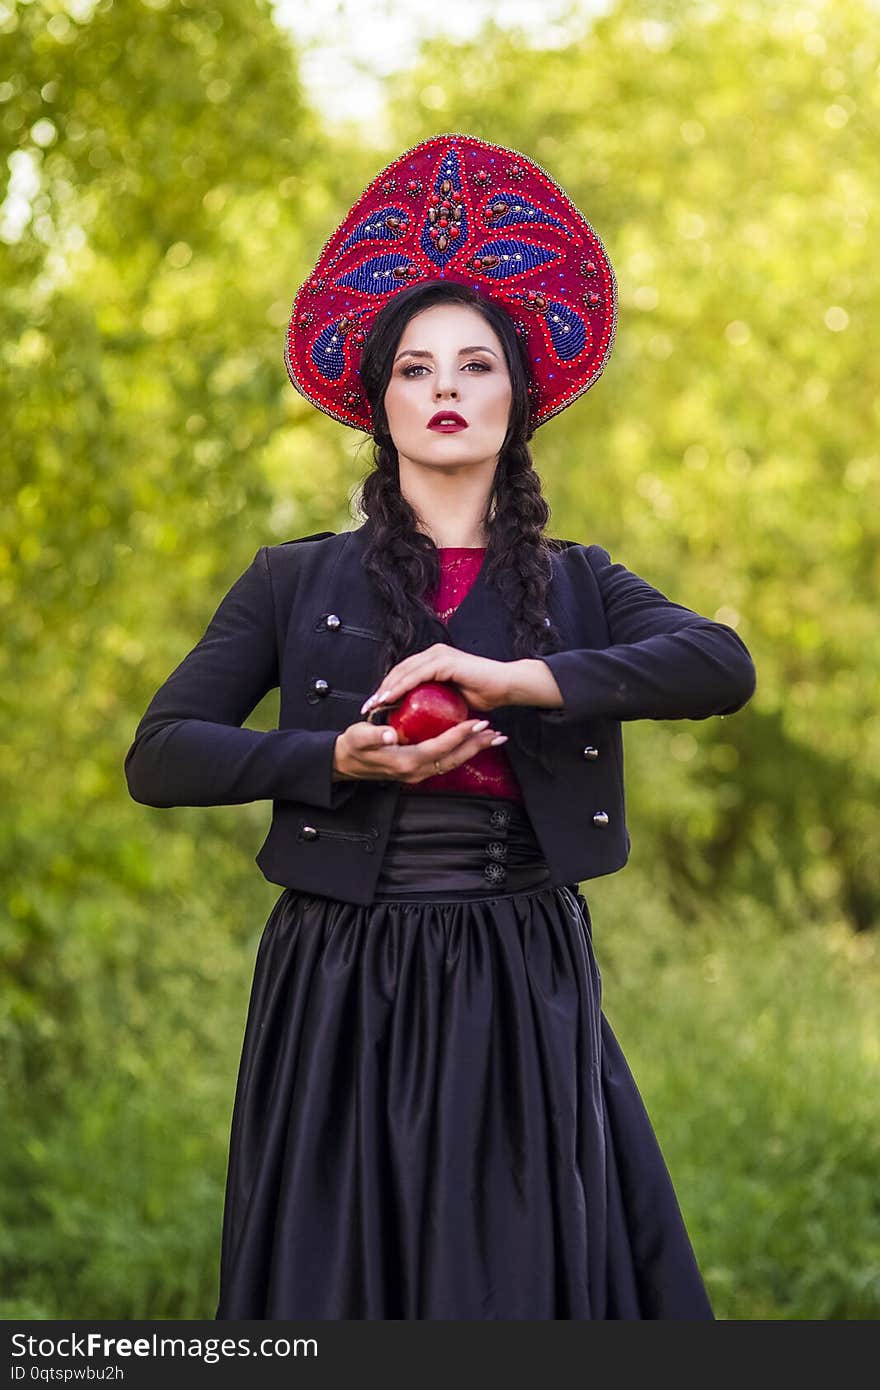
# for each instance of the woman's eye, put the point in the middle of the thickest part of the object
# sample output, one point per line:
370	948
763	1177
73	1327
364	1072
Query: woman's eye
417	367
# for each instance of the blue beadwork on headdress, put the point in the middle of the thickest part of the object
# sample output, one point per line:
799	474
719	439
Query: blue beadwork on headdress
449	169
327	353
567	329
376	276
439	248
389	224
432	250
514	257
519	210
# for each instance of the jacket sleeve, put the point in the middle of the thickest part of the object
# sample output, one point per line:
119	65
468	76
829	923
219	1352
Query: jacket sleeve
664	661
189	748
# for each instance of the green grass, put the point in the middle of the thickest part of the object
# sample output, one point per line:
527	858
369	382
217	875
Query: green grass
757	1056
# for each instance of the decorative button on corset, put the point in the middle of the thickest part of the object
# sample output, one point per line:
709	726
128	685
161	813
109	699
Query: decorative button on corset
591	752
320	687
600	818
500	817
333	621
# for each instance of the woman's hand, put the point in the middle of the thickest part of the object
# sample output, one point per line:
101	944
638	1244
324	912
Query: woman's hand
372	751
484	683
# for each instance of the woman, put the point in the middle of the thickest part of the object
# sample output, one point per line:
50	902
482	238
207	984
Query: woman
433	1118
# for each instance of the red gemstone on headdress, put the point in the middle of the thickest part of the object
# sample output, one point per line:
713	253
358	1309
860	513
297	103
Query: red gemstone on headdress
453	230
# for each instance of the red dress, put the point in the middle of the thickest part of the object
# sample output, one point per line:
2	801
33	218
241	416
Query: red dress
489	772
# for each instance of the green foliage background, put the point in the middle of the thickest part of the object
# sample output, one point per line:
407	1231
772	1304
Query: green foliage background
166	188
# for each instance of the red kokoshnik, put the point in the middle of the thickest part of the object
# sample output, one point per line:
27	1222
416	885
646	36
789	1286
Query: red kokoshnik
457	208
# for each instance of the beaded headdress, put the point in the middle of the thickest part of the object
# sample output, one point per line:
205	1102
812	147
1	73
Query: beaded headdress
458	208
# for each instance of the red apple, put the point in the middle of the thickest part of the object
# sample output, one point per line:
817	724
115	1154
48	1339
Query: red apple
427	711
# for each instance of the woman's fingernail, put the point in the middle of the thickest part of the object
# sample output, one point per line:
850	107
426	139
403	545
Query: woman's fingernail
388	736
480	724
501	738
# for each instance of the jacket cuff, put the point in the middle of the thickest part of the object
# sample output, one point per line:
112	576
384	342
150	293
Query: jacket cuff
311	772
566	674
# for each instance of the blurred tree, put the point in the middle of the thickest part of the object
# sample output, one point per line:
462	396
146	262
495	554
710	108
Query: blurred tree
726	156
165	186
160	191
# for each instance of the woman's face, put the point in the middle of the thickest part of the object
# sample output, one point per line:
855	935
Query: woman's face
448	358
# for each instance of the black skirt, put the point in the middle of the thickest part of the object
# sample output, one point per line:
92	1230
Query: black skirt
433	1118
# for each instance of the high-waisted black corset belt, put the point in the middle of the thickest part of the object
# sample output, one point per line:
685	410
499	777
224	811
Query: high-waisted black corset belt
443	845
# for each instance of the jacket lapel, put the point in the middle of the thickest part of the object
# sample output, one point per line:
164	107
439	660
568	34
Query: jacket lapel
480	623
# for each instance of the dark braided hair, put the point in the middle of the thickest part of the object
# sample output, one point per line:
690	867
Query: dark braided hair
402	562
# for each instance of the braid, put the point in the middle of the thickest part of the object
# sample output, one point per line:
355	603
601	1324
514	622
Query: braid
518	556
402	563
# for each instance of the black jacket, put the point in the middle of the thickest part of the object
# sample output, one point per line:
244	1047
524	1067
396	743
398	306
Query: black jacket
303	617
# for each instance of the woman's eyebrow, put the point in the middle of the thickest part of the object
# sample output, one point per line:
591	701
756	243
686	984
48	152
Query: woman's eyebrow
421	352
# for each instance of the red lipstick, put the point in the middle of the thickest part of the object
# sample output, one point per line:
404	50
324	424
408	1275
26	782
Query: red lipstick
447	422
